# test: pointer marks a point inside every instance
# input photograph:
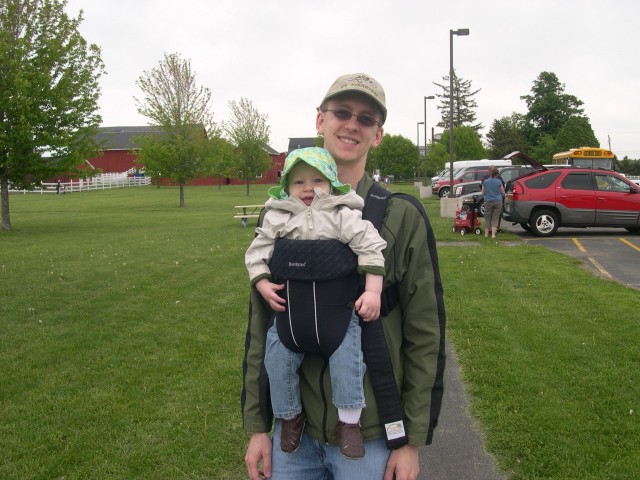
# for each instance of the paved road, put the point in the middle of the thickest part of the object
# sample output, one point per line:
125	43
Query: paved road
611	253
458	451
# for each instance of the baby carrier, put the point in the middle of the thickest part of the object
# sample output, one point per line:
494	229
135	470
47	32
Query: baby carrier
321	285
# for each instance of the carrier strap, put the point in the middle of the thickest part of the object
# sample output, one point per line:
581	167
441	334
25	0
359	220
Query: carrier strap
374	344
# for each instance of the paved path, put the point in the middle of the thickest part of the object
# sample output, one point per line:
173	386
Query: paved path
457	452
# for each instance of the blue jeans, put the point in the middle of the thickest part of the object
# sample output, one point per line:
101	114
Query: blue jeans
316	460
346	368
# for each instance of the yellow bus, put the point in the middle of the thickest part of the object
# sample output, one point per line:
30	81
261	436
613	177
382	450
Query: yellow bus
585	157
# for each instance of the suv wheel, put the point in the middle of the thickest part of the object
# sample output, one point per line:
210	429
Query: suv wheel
482	209
525	227
444	192
544	223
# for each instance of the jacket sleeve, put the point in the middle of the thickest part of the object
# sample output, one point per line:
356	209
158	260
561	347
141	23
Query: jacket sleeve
255	400
259	252
416	277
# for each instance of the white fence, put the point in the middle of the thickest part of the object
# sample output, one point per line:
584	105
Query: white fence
105	181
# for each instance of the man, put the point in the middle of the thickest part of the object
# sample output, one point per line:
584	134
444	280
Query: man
351	118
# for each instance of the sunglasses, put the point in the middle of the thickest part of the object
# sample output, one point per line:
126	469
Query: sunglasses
362	118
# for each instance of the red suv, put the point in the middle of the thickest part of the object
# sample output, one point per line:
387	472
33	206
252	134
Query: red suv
572	197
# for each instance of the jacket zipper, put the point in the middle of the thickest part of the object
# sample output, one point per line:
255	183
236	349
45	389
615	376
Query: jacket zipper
309	220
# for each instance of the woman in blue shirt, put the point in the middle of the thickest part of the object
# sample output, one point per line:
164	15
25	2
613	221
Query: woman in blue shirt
493	192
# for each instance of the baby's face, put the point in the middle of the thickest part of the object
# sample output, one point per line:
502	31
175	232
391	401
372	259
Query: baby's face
303	178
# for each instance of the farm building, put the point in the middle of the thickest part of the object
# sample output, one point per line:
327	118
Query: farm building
118	147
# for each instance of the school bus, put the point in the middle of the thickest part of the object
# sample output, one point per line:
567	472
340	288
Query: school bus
586	157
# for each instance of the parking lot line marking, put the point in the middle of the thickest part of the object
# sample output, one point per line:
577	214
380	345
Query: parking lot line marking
591	259
629	243
579	245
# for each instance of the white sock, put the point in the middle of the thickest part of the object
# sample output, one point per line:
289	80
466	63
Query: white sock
349	415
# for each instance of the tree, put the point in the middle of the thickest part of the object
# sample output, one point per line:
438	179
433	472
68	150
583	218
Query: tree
506	136
549	107
575	133
181	109
248	131
466	144
224	155
545	149
463	103
48	95
437	158
396	155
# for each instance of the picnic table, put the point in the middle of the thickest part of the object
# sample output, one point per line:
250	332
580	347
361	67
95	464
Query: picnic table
248	211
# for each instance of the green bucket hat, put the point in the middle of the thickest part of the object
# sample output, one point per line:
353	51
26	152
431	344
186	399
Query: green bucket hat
318	158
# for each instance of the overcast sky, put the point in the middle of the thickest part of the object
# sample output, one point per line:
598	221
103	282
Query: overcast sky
283	55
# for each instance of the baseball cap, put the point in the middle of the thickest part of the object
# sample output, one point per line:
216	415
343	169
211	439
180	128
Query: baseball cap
359	82
318	158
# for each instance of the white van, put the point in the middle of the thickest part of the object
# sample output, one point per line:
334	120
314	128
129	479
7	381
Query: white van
459	164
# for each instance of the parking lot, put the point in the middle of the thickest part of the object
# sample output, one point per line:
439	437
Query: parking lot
609	252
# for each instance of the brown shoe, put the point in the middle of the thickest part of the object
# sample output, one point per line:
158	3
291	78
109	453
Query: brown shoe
350	440
292	433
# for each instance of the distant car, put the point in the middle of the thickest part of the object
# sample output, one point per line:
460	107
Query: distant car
572	197
466	190
442	186
467	187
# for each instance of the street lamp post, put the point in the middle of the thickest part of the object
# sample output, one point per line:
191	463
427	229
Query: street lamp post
418	136
459	32
430	97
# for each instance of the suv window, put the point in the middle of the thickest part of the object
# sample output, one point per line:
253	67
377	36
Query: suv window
611	183
468	176
577	181
509	173
542	181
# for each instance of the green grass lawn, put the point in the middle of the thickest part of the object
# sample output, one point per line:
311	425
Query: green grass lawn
123	319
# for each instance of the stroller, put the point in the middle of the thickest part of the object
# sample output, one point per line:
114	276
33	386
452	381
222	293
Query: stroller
467	220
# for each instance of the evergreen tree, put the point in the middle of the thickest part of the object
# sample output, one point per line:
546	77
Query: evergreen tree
575	133
545	149
464	103
549	107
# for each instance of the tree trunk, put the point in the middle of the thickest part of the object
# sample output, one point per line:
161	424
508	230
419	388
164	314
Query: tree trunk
247	186
4	199
181	192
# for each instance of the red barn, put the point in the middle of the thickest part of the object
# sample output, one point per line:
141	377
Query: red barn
118	147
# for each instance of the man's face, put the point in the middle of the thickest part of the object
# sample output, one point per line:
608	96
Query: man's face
349	140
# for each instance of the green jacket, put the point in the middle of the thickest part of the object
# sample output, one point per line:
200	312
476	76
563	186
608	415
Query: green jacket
412	330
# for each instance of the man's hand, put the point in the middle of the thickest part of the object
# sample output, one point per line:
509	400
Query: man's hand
404	463
259	448
269	292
